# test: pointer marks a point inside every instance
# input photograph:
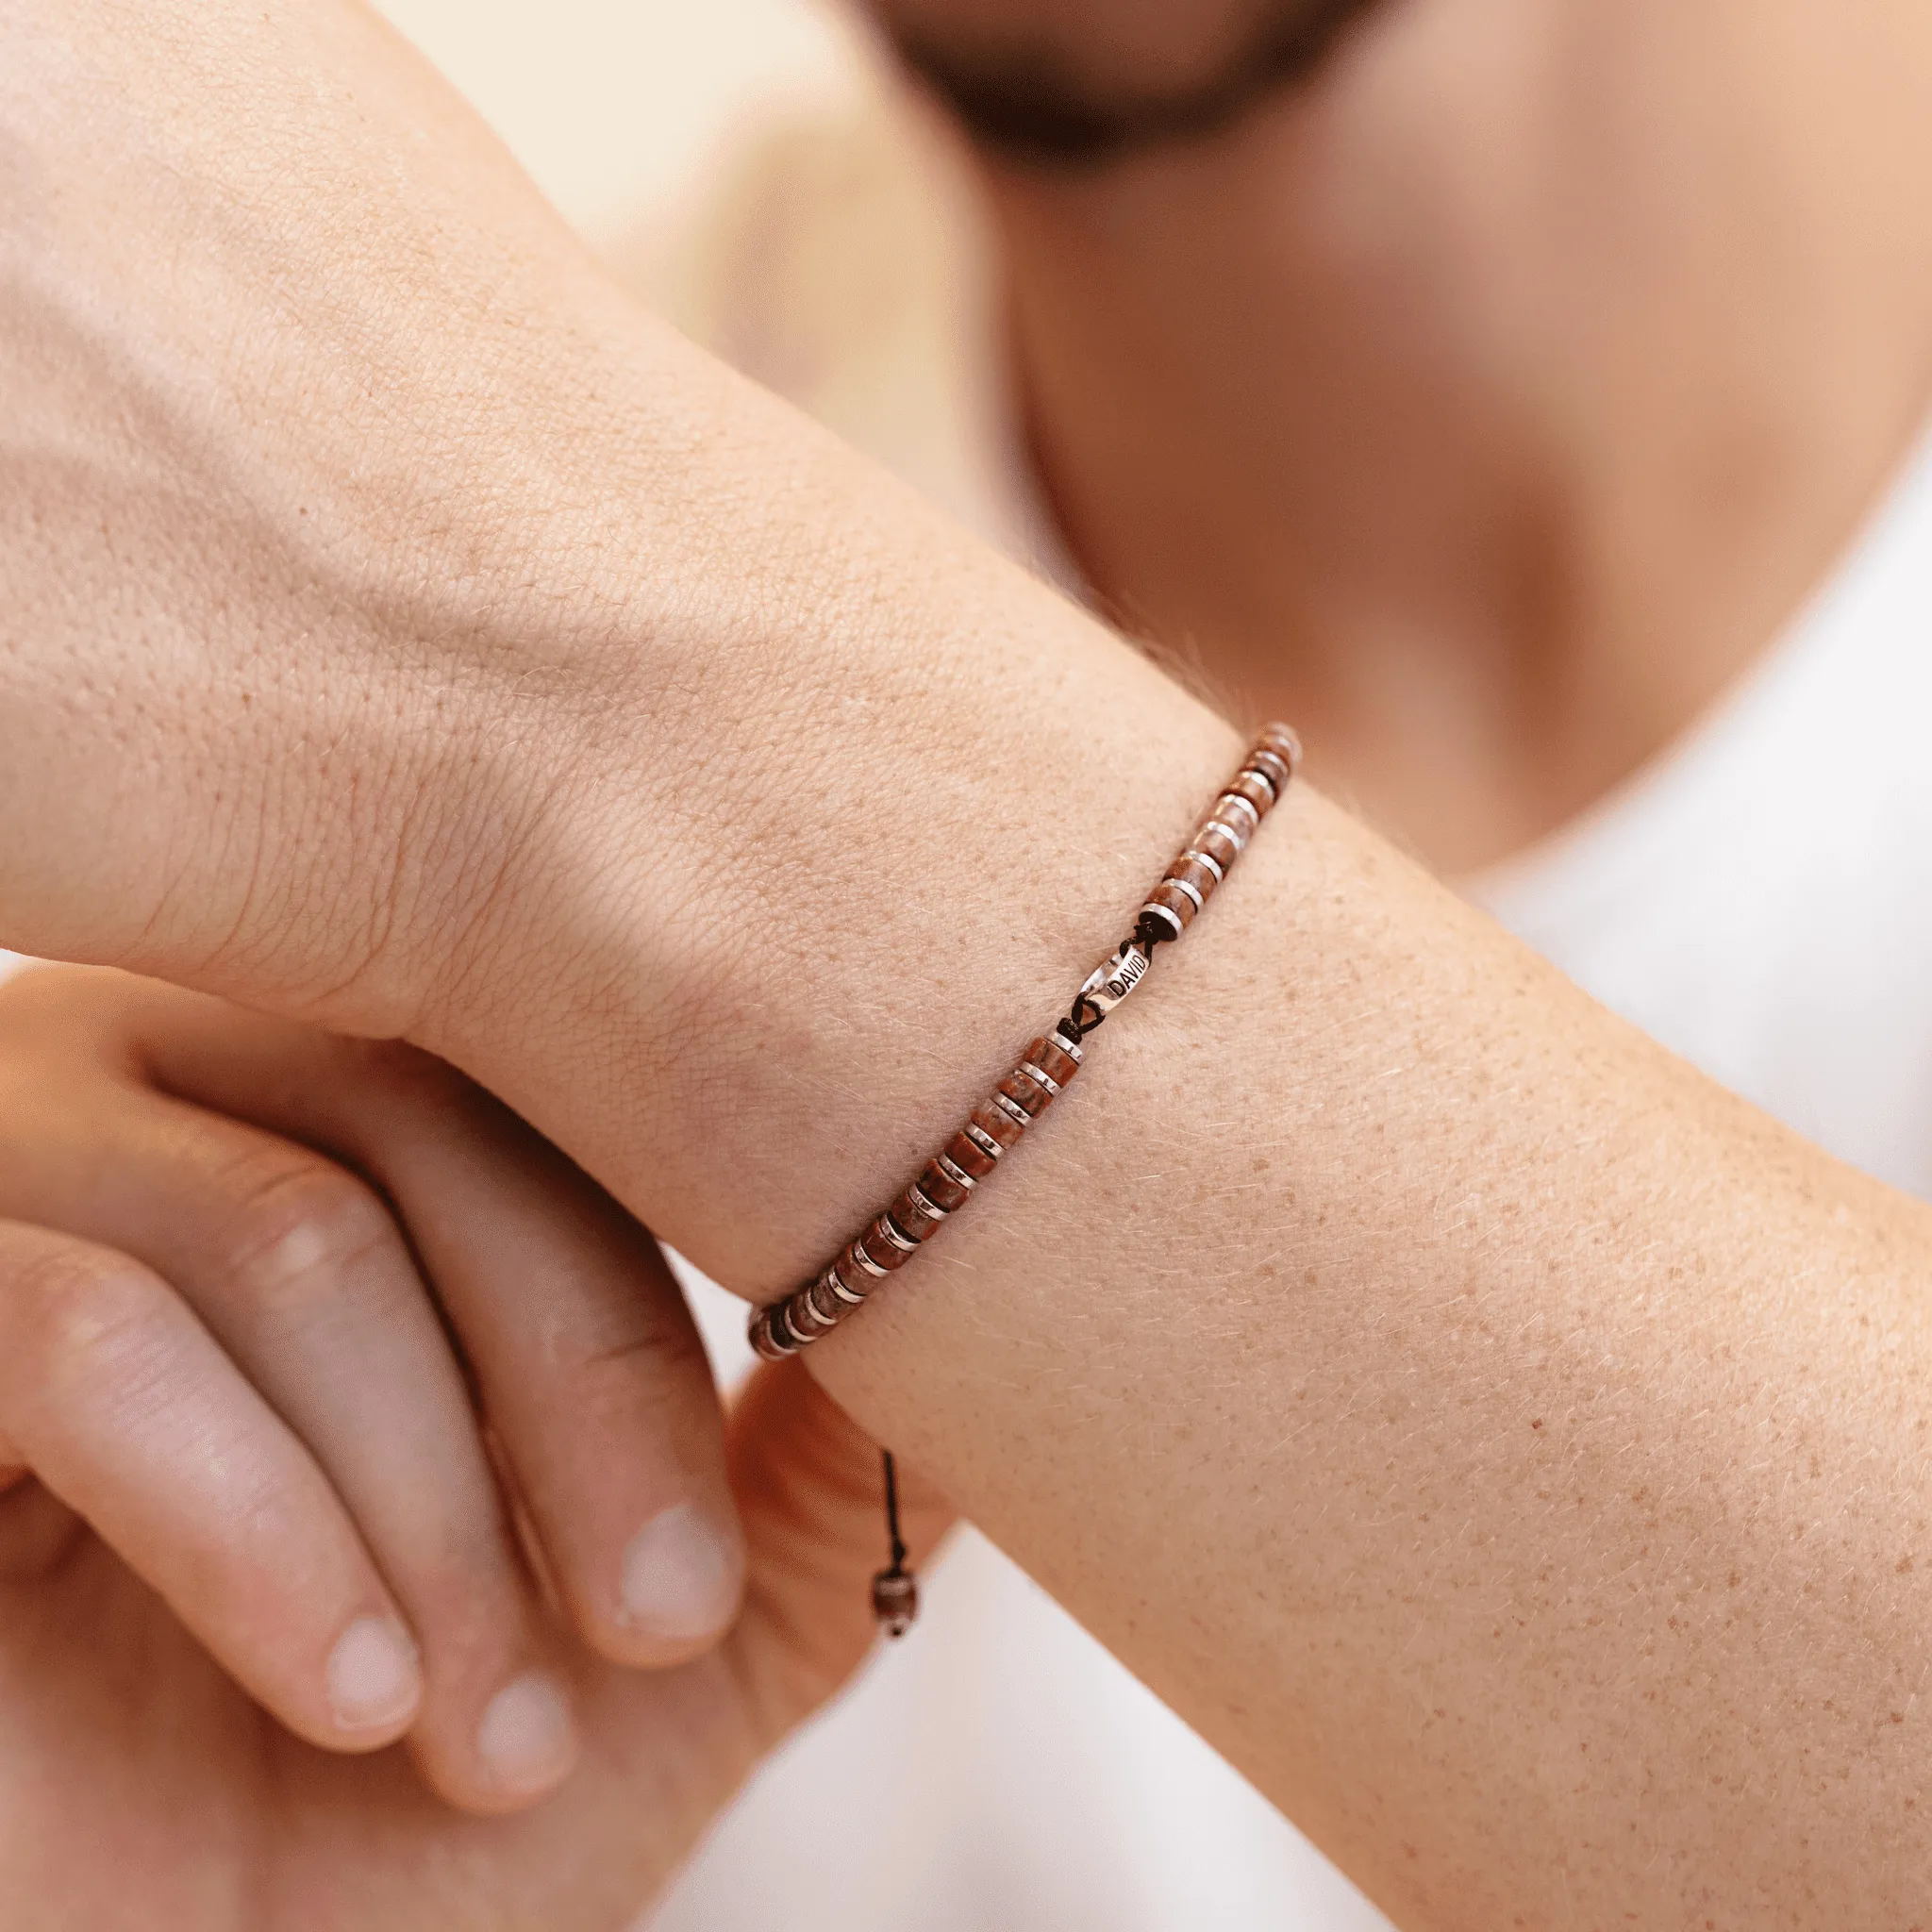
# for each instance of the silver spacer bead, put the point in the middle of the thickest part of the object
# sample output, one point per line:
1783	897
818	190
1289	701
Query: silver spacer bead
1272	767
1166	912
984	1141
1213	864
804	1318
834	1283
1012	1109
1193	892
954	1172
925	1204
888	1228
856	1250
1040	1078
1246	804
764	1342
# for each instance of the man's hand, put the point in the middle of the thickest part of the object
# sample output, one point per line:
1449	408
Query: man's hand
340	1410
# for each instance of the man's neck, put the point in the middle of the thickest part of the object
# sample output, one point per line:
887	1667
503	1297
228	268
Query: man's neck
1491	405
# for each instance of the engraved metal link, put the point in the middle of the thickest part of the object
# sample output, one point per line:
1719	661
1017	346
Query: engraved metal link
1115	977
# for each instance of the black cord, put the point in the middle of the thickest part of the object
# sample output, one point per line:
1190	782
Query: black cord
892	1516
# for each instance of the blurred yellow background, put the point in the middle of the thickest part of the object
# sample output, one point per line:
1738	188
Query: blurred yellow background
618	106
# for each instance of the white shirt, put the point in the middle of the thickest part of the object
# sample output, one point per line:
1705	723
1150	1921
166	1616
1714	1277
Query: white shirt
1760	900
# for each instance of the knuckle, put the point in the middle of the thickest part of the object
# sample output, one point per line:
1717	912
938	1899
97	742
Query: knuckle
81	1308
655	1361
298	1225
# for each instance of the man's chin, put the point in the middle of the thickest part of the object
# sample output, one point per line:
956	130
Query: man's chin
1080	83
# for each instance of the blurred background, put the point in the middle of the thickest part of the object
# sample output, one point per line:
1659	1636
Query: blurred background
621	109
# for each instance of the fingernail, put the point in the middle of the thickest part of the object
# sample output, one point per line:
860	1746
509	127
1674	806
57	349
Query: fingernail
680	1575
528	1738
373	1678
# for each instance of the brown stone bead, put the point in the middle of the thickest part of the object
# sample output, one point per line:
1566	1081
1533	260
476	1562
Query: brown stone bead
1186	870
941	1189
1053	1059
1170	895
911	1215
1231	808
853	1272
963	1151
1222	846
1254	789
1025	1094
894	1601
888	1254
1284	743
1272	766
997	1123
765	1339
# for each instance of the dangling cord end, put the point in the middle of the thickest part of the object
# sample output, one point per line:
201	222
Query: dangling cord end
894	1591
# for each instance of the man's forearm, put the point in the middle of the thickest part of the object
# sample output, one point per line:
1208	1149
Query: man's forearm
1505	1445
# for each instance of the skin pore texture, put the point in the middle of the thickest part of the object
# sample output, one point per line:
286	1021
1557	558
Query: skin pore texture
1509	1449
1487	400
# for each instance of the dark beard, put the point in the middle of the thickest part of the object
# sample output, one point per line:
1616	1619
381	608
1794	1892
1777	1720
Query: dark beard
1027	106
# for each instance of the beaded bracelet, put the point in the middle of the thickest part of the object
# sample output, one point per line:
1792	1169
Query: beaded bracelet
953	1175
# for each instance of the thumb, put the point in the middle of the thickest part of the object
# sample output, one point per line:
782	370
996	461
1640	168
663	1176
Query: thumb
811	1492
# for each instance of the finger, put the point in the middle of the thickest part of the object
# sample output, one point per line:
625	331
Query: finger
300	1272
128	1411
810	1489
590	1367
592	1376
